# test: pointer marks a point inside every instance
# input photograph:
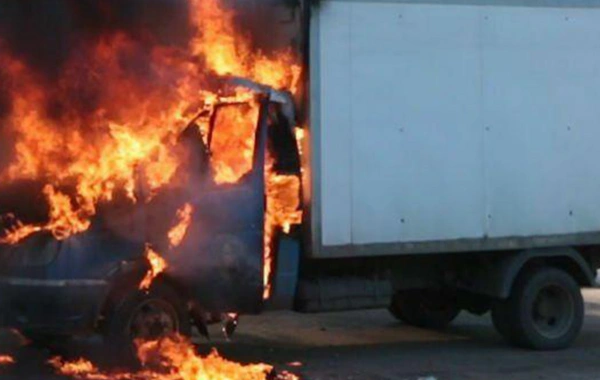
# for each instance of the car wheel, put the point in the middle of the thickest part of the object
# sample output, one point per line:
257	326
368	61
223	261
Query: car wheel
146	315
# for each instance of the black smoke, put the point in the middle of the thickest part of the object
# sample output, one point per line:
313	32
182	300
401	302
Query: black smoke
51	37
45	34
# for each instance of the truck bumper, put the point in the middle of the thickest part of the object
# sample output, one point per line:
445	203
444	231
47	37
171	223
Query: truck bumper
51	306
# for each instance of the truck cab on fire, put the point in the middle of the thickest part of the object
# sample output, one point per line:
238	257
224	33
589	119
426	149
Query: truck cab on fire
90	282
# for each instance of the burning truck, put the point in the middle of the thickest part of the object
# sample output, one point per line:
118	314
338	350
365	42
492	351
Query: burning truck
142	190
405	154
191	254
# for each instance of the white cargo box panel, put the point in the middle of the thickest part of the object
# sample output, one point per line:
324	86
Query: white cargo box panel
446	127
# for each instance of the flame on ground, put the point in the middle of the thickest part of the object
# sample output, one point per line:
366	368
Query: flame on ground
77	368
173	358
157	266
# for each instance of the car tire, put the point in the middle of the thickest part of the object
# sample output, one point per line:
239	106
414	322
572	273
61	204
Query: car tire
545	310
146	315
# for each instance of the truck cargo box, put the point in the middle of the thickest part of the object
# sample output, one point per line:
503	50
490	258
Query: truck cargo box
453	126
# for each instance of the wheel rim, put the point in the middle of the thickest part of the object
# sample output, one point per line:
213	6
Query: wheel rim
153	319
553	312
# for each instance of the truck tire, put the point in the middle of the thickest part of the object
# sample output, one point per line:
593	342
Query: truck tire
431	309
145	315
544	311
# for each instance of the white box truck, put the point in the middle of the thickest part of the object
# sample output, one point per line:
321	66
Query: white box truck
453	161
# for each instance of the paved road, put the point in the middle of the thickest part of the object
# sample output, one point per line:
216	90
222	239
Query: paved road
372	345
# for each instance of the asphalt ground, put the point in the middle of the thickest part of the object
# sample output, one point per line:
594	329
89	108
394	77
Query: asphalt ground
364	345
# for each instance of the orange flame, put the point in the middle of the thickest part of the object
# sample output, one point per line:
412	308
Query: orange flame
173	358
77	368
6	360
126	144
283	202
179	356
300	134
157	266
175	235
229	53
178	232
283	210
18	233
233	142
64	220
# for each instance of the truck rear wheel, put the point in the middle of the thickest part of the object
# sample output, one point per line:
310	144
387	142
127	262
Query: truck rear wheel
426	308
544	311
